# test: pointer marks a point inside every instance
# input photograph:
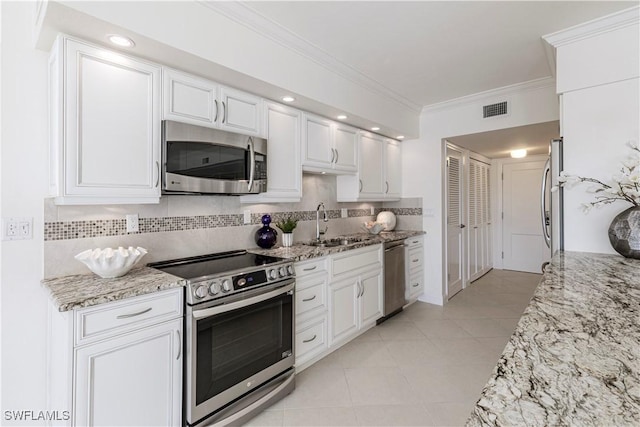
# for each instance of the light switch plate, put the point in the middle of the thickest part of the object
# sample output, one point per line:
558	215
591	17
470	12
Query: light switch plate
344	213
372	210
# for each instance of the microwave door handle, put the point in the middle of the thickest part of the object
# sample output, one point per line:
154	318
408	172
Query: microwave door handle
252	154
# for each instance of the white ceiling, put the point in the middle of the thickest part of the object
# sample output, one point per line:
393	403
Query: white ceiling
431	51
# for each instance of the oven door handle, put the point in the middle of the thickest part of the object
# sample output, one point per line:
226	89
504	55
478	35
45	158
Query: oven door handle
207	312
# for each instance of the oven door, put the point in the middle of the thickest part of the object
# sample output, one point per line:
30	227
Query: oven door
235	347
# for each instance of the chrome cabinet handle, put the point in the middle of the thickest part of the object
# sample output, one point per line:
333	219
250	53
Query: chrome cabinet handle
158	172
309	299
310	268
179	344
387	184
224	112
310	339
126	316
337	155
333	155
416	285
415	260
216	118
360	185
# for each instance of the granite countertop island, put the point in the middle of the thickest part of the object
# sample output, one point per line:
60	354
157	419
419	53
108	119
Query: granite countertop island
574	358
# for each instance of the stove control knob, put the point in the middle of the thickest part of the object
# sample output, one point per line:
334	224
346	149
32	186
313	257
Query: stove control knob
226	285
290	270
201	291
282	271
214	288
273	274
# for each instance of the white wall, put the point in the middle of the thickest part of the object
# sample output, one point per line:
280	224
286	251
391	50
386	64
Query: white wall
24	177
598	77
534	102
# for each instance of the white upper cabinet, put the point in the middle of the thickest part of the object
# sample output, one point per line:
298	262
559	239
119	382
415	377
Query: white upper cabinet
328	146
379	173
105	126
284	172
199	101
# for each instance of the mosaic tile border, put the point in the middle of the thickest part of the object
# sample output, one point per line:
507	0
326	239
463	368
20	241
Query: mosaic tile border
67	230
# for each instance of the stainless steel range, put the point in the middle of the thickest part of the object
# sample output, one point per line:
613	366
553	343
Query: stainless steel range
239	339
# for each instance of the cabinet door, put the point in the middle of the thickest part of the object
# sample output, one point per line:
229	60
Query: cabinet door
345	146
189	99
343	310
317	143
371	167
134	379
284	171
112	125
241	112
393	160
371	298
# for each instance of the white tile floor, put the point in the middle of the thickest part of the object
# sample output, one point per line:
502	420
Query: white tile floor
424	367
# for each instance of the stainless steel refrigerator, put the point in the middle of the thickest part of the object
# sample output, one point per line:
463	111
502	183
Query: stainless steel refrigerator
551	214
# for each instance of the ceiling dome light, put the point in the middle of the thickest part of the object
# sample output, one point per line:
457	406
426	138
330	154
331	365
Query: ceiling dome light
120	40
342	117
375	128
288	98
518	154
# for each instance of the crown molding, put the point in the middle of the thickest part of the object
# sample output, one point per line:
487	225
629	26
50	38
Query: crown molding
612	22
501	92
250	18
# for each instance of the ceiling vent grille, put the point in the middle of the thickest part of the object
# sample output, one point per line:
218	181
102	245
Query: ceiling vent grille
493	110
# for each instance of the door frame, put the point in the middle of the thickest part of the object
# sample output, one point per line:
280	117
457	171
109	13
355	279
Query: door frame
497	175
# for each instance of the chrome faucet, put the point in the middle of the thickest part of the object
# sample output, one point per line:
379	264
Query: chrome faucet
324	218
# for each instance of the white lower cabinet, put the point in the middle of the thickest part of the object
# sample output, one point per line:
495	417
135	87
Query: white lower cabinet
129	373
414	260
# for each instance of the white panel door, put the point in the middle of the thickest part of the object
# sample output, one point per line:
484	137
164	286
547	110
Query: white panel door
317	142
393	163
346	146
371	166
343	308
112	124
241	112
455	245
523	243
189	99
283	157
371	298
132	380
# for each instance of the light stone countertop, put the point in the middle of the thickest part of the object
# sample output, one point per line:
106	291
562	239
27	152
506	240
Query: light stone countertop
85	290
301	252
574	358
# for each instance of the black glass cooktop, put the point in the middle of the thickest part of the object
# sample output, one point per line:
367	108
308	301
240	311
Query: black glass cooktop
214	264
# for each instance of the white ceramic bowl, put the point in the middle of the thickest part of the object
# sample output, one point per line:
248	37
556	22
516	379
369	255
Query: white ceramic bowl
387	219
109	263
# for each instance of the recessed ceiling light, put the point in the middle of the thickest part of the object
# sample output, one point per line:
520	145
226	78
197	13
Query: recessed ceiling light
518	154
342	117
400	137
120	40
375	128
288	98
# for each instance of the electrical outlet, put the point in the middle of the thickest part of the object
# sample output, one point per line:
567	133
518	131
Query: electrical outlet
132	223
429	213
344	213
247	216
17	228
372	211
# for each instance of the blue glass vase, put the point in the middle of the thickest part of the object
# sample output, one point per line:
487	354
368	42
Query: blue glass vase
266	236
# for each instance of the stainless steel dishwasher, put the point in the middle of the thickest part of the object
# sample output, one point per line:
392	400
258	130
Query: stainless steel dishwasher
394	278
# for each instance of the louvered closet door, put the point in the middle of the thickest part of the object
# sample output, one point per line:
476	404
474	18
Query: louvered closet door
473	255
455	246
488	226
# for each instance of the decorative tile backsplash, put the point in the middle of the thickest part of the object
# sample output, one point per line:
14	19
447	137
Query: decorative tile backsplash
66	230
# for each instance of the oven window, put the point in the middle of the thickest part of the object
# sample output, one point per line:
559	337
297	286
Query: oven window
202	160
233	346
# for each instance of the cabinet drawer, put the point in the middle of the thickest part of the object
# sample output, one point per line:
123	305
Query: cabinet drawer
415	258
312	296
105	320
311	339
312	266
415	285
412	242
348	262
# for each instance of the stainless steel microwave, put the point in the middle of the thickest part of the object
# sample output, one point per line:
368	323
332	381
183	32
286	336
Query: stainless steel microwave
201	160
